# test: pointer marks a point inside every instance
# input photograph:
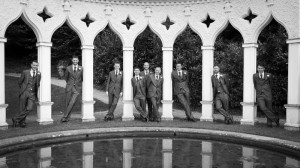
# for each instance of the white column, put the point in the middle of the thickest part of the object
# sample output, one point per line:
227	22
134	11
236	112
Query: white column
167	102
249	105
44	108
293	106
167	151
207	94
127	152
3	162
88	154
248	153
87	108
290	162
44	155
127	89
207	156
3	106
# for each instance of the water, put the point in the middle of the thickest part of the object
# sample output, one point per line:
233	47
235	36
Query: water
148	153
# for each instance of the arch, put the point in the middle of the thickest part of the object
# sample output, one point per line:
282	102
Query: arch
152	29
182	30
114	30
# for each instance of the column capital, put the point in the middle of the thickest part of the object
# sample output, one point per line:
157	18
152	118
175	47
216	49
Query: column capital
87	47
128	48
44	44
3	40
207	48
293	41
167	48
250	45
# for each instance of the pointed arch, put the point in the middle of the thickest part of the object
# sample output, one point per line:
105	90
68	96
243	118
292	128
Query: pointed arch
152	29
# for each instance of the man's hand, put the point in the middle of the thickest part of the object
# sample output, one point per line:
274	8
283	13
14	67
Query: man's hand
106	92
121	94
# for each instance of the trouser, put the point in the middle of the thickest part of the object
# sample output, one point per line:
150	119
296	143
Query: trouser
155	102
112	104
265	104
71	98
150	107
222	104
184	100
140	105
26	99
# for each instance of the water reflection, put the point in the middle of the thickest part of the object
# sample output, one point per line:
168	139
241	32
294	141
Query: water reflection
147	152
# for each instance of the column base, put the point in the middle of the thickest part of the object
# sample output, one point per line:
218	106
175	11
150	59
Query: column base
87	111
127	110
3	126
44	113
294	127
167	110
3	123
292	117
249	113
207	111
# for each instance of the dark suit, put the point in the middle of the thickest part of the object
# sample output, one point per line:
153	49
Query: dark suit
149	103
221	94
263	87
73	87
139	95
154	92
182	91
28	85
114	87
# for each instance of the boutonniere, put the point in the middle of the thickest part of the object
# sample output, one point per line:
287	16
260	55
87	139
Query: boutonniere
184	73
161	77
38	73
141	77
120	73
268	75
79	69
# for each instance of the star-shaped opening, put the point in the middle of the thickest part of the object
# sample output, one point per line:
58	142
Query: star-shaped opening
88	20
128	23
167	23
250	16
45	14
208	21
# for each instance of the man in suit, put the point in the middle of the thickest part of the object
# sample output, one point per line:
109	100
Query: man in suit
29	83
114	89
263	86
74	77
220	84
181	89
154	85
145	73
139	93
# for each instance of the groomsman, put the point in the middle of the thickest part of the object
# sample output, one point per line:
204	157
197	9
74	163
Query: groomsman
146	72
139	93
74	77
263	86
114	89
154	93
220	84
29	83
181	89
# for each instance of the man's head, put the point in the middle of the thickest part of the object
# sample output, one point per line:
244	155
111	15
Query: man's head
136	71
75	60
157	70
34	65
146	65
178	66
117	65
260	69
216	69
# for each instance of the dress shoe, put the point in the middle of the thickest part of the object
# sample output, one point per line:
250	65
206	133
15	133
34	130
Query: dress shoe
15	124
64	119
157	120
192	119
146	119
277	122
22	124
108	118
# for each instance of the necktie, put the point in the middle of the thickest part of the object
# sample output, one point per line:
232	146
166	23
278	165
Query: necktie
146	73
137	78
180	74
34	73
156	77
216	76
260	76
116	73
75	68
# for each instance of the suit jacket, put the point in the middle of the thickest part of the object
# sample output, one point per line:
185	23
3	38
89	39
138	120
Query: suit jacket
141	83
263	85
154	86
224	83
180	83
73	78
114	83
24	80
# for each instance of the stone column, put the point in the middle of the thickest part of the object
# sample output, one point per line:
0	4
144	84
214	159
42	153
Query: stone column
248	153
127	88
167	151
293	106
44	108
3	106
167	101
207	94
87	108
44	155
207	156
3	162
290	162
88	154
249	105
127	152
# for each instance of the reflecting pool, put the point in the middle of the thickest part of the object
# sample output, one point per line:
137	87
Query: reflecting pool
148	152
